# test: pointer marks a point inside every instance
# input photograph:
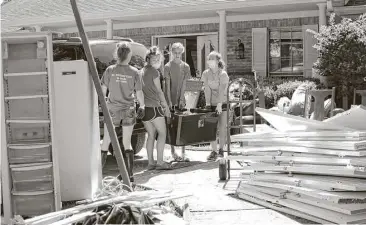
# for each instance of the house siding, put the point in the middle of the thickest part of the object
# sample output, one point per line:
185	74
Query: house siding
235	30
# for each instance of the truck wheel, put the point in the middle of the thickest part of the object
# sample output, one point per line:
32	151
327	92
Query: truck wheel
137	142
223	169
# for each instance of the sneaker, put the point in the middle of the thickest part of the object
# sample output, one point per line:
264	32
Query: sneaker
221	153
151	167
212	156
104	157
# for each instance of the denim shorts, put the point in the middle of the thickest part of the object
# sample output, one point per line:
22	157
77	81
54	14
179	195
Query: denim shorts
124	117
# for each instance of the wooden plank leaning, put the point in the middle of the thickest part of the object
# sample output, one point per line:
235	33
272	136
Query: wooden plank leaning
98	87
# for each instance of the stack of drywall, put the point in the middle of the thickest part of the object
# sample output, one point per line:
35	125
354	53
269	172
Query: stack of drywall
317	172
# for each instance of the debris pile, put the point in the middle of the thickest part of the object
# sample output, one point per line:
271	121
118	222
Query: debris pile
317	172
113	205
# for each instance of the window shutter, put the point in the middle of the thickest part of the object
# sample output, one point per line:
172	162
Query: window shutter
260	51
310	53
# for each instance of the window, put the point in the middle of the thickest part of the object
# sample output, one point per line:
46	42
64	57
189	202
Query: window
286	51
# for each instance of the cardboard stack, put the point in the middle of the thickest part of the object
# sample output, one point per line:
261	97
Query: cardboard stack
310	169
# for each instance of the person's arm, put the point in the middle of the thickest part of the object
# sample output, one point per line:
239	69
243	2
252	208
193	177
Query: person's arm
224	82
207	91
105	81
138	89
167	85
187	76
159	90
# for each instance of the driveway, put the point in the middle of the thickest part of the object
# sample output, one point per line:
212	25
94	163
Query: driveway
212	202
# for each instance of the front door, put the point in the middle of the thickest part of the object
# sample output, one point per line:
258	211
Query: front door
205	45
165	45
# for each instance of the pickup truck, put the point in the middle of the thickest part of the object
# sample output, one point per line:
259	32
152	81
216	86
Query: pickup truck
103	52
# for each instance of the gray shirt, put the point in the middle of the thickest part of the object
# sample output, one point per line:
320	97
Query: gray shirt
122	81
176	74
215	86
151	94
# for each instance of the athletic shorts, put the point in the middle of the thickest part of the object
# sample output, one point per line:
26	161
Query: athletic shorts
124	117
224	107
152	113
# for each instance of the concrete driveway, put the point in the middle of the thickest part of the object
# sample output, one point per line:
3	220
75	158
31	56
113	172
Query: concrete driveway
213	201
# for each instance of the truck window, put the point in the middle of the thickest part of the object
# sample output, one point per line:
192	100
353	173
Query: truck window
64	52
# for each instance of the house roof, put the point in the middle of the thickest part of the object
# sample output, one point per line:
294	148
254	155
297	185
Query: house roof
58	13
23	9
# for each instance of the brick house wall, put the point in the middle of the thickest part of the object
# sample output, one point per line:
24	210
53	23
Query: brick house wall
235	30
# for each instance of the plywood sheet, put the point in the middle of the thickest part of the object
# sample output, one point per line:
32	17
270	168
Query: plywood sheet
349	209
276	160
327	183
335	145
311	169
353	118
319	212
284	122
291	149
305	136
282	209
335	197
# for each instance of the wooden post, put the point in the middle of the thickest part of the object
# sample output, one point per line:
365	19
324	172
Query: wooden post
98	87
319	96
223	35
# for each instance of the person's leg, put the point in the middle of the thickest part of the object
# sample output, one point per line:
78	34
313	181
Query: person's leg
116	120
159	124
151	132
213	154
128	123
222	132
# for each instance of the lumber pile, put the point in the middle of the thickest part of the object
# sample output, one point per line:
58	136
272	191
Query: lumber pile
315	174
139	207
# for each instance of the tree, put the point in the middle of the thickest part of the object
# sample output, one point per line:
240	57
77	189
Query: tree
342	52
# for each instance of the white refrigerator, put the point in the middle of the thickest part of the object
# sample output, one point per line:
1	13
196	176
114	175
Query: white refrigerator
77	130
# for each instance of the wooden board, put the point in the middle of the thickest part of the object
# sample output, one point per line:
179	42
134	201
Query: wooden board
319	212
285	122
282	209
351	118
300	160
294	154
335	197
335	145
295	135
290	149
327	183
349	209
311	169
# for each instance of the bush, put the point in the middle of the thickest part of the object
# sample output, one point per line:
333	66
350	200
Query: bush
273	92
342	52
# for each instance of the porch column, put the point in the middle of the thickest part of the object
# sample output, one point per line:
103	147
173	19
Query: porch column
322	14
223	35
109	29
38	28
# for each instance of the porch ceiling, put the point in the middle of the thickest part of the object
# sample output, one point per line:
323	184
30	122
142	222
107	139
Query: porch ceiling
94	12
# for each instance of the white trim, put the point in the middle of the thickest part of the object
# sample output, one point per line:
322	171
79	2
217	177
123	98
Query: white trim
159	11
350	10
207	20
189	34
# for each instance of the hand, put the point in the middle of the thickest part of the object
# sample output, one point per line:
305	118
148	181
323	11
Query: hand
167	113
140	112
170	104
219	108
182	104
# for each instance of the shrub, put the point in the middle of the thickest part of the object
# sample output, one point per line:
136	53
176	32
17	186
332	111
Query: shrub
342	52
274	92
